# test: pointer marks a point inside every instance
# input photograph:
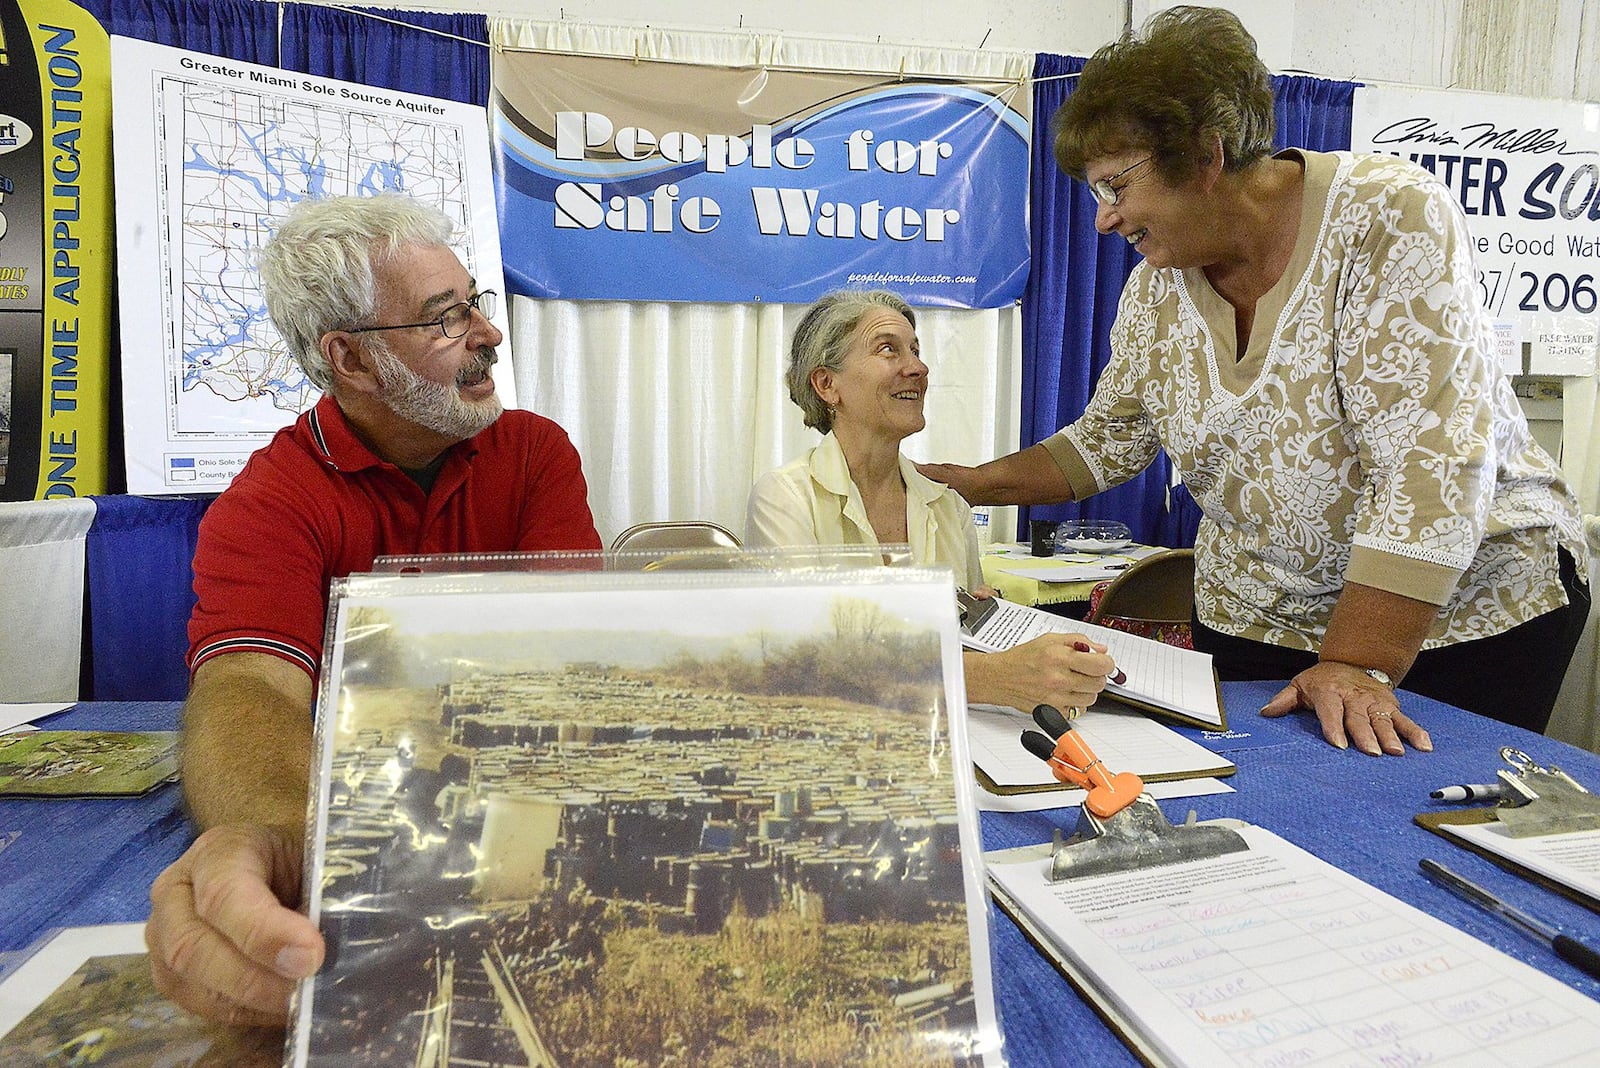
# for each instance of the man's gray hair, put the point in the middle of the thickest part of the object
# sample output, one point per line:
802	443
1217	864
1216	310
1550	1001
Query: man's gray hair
317	270
823	339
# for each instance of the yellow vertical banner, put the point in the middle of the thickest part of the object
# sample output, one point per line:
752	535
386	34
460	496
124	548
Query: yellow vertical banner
56	251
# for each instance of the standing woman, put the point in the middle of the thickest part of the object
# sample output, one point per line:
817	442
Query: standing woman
1305	339
856	372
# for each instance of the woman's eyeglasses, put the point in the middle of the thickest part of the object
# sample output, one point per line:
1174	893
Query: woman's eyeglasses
1109	194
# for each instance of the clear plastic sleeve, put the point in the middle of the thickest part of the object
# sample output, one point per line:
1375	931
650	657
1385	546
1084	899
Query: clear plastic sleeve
604	815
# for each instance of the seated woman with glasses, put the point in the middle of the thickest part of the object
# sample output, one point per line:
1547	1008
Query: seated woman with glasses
856	372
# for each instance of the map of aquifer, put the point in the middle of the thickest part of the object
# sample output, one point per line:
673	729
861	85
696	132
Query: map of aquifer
244	158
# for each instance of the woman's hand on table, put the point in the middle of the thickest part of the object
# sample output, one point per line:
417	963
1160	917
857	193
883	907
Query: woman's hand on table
225	942
1064	670
1353	708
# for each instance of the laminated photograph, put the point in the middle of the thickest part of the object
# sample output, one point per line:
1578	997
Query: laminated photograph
86	763
707	818
84	995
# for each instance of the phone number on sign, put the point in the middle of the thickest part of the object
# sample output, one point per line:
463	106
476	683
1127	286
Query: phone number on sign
1553	292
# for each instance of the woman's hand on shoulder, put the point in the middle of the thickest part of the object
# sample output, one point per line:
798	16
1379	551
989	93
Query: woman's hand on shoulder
961	479
1353	708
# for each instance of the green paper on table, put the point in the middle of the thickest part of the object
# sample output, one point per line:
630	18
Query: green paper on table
86	763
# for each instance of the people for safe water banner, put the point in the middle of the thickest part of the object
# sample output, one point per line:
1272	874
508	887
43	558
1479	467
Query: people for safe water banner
1527	176
628	180
55	250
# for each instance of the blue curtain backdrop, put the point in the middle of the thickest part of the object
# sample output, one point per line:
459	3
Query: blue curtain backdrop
138	556
237	29
1076	280
442	55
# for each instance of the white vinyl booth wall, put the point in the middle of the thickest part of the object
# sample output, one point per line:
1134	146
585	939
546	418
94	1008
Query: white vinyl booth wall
42	546
677	408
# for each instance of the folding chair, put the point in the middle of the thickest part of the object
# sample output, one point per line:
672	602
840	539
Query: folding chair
642	540
1154	598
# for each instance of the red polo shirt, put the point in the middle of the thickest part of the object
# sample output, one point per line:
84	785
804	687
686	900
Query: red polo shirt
316	504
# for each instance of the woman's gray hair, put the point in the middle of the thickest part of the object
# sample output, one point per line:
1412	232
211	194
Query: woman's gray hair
823	338
317	270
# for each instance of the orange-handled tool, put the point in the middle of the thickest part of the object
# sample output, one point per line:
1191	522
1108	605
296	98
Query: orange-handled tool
1072	761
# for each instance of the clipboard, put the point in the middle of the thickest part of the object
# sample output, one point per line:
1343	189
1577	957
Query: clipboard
974	612
1142	986
1542	802
1121	830
1439	822
1093	994
1190	680
1140	744
1120	695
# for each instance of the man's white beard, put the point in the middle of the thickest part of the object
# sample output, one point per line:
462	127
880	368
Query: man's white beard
437	407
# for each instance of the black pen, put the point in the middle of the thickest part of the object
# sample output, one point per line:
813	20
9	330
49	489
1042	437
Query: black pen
1568	949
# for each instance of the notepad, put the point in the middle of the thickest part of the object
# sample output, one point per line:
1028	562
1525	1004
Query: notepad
1273	956
1164	680
1125	741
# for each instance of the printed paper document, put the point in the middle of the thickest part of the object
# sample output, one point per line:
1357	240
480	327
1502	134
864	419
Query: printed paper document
1571	859
1274	957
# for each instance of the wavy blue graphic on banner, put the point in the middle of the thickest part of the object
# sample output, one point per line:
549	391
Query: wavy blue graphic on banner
914	187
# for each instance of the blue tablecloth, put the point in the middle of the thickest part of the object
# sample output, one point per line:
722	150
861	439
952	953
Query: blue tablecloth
88	862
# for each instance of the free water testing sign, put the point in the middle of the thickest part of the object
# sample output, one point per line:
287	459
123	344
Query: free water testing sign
55	269
1527	176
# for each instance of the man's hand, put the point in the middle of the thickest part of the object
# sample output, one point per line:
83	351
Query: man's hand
224	939
1064	670
1352	707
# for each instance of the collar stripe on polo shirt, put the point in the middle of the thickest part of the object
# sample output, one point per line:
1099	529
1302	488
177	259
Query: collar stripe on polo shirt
322	442
256	645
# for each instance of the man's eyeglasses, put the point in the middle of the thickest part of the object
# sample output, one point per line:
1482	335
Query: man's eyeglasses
1109	194
452	322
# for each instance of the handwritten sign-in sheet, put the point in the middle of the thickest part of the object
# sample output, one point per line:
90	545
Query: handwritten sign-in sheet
1272	957
1163	675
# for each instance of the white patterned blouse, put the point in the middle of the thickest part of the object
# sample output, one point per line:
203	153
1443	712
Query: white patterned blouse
1366	434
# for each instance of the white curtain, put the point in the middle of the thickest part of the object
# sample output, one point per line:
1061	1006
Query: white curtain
41	597
675	408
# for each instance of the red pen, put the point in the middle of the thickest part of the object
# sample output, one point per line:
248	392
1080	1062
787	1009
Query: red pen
1117	679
